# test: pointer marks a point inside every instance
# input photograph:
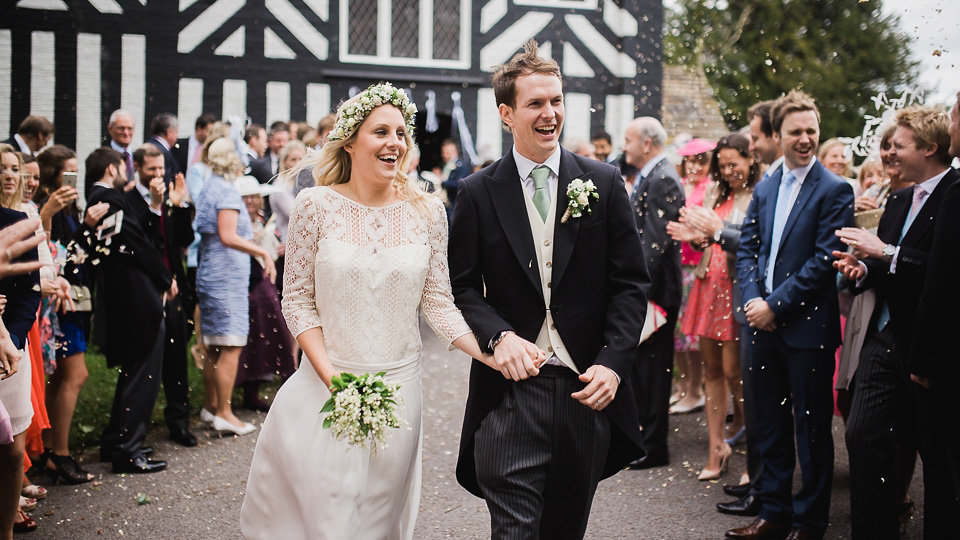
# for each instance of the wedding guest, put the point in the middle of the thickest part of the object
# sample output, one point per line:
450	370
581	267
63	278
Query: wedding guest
695	174
870	174
894	263
223	277
11	196
709	312
875	196
931	357
656	199
833	155
133	286
281	200
790	293
602	147
269	351
22	293
62	219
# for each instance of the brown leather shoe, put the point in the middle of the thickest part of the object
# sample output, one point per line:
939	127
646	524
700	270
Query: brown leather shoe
760	529
799	534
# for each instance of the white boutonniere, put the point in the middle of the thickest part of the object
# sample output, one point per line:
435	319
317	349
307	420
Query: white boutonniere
579	194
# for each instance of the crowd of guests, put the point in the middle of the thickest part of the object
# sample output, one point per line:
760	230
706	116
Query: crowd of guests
173	240
790	285
802	287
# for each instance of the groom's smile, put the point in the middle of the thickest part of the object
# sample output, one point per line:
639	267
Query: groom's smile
536	117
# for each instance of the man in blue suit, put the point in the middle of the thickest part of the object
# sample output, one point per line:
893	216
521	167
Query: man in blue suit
789	286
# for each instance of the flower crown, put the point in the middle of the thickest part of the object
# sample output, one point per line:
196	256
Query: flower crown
354	113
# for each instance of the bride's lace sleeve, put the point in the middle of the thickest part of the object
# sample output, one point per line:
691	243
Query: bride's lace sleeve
437	301
299	288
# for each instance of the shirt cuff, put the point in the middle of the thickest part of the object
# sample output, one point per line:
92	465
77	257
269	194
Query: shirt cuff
893	261
864	277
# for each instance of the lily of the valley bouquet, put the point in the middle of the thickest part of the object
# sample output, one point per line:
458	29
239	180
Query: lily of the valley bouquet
579	194
362	408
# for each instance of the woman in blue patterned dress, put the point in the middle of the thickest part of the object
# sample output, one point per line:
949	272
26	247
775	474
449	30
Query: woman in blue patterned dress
223	275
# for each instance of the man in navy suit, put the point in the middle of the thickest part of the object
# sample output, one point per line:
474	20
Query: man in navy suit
163	135
789	286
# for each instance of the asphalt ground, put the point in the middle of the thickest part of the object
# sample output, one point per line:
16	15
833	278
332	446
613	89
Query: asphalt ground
200	493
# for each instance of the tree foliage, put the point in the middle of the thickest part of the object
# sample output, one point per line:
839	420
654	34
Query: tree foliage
841	52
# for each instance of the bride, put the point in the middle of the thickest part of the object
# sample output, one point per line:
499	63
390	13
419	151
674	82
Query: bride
366	249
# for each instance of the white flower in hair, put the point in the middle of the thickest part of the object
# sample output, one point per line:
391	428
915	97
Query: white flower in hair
352	115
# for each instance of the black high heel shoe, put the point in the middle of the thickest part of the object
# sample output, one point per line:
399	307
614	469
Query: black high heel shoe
66	468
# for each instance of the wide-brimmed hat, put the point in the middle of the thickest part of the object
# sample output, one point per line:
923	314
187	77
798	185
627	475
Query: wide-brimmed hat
696	146
248	185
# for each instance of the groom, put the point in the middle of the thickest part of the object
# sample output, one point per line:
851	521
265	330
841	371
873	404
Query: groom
537	439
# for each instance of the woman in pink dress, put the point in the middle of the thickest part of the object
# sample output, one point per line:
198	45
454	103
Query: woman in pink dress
709	312
694	169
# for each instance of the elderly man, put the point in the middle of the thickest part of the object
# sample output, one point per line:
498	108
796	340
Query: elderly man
120	132
657	198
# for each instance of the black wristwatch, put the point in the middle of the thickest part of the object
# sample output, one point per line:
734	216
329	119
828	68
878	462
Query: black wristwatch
499	337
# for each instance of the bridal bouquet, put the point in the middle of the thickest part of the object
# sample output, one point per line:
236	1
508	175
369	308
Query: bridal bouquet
362	408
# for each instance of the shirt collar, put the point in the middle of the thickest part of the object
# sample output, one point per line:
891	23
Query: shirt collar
143	190
163	142
117	147
23	144
645	170
931	184
800	173
777	163
525	165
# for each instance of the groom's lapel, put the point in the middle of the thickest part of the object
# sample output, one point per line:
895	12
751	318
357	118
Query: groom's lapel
565	234
506	193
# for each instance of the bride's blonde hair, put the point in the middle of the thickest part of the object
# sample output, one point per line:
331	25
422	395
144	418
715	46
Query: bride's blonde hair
332	164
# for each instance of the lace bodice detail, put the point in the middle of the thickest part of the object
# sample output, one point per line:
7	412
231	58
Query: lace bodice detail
361	273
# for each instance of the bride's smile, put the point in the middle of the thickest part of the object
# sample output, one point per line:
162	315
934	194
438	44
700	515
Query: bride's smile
379	147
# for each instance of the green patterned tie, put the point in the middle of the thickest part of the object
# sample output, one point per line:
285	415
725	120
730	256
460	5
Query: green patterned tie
541	198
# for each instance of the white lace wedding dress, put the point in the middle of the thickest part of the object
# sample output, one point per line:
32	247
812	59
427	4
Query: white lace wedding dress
361	273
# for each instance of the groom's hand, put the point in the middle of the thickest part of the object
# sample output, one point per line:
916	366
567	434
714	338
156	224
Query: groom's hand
517	358
602	384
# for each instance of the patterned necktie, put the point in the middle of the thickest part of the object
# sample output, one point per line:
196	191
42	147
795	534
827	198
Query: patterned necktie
129	161
779	223
541	198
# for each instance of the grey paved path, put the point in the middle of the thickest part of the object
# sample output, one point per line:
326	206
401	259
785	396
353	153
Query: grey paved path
199	496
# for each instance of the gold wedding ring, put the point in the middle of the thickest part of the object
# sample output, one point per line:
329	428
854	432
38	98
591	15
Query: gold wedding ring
853	243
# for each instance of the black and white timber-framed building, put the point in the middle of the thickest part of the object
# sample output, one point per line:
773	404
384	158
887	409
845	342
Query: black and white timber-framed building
75	61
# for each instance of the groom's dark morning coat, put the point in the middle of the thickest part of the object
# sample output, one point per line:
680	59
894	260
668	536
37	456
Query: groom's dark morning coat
599	288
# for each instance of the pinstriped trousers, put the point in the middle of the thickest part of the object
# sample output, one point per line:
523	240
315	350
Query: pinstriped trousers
539	458
880	412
